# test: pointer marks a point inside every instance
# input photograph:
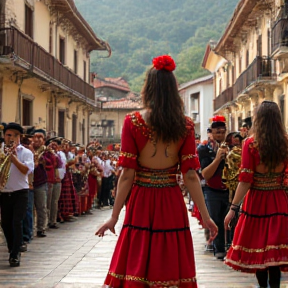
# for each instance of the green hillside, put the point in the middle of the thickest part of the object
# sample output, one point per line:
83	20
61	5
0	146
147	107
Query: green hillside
138	30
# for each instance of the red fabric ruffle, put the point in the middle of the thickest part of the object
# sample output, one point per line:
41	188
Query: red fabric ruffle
261	235
155	242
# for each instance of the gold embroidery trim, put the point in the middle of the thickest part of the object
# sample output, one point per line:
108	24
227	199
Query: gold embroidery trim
247	170
128	155
243	266
189	156
141	279
260	250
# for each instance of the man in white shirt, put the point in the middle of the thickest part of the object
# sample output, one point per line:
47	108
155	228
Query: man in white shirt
106	180
14	196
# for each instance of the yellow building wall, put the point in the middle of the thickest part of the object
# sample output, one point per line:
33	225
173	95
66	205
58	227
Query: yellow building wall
41	32
19	13
9	101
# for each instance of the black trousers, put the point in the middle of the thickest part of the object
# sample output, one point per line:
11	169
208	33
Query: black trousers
13	210
105	190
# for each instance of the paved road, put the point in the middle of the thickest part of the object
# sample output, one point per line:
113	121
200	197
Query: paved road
72	257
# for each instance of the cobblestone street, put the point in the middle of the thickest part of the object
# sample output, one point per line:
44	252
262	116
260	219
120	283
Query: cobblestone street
72	257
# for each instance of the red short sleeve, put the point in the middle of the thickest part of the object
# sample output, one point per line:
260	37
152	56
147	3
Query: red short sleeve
188	157
247	161
129	152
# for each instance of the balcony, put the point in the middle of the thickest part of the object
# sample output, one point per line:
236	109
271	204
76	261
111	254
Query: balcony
225	97
258	71
279	37
32	57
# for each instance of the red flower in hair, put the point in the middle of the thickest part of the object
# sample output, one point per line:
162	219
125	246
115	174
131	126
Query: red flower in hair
219	118
164	62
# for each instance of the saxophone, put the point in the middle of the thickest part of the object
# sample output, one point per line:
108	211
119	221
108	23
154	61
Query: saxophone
5	163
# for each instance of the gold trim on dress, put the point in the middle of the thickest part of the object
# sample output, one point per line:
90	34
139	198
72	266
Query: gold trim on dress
260	250
188	156
270	262
247	170
174	283
127	155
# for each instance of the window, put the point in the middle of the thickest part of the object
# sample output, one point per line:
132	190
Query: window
194	102
50	117
240	121
228	76
74	128
240	65
282	106
220	86
50	39
247	58
259	46
26	112
61	123
83	131
75	61
84	71
110	128
62	50
233	74
269	42
28	21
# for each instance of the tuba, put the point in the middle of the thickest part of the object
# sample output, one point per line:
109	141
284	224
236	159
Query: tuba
5	163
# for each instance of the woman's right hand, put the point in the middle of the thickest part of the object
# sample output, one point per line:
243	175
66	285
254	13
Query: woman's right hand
110	224
210	224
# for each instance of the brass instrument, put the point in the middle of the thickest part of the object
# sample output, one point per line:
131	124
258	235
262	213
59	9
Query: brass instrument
231	170
38	153
5	163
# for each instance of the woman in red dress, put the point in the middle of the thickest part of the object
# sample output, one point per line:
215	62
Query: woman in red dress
260	243
155	247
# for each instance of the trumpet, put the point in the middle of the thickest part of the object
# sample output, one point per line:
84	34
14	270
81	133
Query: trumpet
5	163
38	153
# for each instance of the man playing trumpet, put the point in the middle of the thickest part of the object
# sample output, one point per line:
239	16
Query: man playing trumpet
14	195
212	159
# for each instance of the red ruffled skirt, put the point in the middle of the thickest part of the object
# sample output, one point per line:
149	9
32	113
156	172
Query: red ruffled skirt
261	234
155	247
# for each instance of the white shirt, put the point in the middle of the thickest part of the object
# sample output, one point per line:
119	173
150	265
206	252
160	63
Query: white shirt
17	180
107	168
62	170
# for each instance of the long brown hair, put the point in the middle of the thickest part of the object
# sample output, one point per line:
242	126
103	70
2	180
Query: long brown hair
270	134
161	98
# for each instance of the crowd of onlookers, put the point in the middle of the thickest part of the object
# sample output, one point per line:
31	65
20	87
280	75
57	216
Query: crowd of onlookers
68	180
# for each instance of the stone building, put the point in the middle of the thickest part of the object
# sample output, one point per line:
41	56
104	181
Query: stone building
250	61
44	67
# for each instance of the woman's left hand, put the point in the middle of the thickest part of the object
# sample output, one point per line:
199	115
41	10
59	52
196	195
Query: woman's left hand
230	215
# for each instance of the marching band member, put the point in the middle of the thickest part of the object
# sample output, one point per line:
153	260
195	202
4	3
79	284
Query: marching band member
212	160
14	196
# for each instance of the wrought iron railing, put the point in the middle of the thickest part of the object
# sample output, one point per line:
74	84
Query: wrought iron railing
225	97
11	39
259	69
279	34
